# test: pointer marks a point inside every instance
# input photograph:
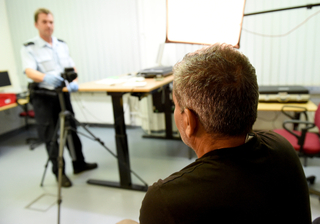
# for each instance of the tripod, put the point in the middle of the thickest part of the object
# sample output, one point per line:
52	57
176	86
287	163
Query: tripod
64	124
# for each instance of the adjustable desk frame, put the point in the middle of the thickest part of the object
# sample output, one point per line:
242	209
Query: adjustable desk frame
116	92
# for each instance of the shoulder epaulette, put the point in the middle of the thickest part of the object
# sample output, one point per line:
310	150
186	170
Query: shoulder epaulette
61	40
29	43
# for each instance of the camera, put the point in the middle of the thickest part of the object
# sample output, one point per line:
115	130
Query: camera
69	74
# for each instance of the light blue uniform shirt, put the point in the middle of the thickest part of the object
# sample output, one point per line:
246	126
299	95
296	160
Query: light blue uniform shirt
39	55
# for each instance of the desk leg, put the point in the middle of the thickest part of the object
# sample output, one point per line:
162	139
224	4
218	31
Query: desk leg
122	149
168	112
167	116
296	117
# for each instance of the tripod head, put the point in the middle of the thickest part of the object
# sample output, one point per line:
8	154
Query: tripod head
69	74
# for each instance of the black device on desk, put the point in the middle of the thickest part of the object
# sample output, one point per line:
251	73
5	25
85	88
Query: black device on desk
283	94
158	71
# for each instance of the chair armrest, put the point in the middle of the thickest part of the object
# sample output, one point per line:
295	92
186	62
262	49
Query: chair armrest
301	138
308	125
303	111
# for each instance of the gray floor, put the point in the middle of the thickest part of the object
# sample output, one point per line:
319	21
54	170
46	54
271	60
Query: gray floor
24	201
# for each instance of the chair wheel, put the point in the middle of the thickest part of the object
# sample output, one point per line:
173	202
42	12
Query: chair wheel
311	179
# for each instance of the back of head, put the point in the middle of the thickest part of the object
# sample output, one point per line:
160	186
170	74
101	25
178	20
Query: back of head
41	10
219	84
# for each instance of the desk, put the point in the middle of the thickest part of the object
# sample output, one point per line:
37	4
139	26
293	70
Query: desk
310	106
12	105
116	92
278	106
20	102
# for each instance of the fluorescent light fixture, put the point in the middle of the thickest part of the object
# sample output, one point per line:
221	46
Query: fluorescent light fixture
204	21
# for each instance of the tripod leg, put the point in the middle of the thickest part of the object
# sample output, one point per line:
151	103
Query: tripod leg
71	146
44	173
63	137
54	137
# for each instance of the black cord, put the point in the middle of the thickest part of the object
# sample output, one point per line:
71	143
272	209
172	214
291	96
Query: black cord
309	6
285	34
88	111
277	114
94	138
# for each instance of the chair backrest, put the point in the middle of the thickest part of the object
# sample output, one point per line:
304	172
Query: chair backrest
317	117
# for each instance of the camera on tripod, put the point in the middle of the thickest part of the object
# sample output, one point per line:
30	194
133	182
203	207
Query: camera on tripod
69	74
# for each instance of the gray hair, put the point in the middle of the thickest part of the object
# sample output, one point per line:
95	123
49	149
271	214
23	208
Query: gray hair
219	84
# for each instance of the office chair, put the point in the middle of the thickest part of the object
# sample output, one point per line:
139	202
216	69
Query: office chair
296	131
26	114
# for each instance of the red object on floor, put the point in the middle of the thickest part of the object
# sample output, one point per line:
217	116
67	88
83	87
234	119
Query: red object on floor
30	114
7	98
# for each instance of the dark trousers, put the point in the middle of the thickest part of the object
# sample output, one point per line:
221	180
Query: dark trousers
47	109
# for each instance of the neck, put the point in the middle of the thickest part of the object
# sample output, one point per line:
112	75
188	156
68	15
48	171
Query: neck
47	39
208	144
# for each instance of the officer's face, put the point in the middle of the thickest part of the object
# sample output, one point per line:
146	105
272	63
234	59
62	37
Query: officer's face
45	25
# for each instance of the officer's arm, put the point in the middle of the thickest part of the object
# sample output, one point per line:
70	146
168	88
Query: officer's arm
29	64
34	75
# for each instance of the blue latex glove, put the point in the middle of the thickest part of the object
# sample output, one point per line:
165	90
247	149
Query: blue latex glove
73	87
53	80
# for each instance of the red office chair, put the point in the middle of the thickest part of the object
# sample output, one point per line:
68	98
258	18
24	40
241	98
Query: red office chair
26	114
306	143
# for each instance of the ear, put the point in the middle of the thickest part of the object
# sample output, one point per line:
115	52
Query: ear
191	122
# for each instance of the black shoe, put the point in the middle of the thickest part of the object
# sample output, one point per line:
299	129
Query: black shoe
65	181
80	167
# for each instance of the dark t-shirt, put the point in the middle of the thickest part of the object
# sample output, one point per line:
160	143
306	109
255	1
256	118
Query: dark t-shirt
261	181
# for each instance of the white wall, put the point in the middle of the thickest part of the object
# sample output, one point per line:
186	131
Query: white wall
7	60
9	119
108	37
291	59
115	37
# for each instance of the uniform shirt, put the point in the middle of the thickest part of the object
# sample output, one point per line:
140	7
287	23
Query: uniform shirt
39	55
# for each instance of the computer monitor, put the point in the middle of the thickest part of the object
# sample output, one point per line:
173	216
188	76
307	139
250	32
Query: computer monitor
5	82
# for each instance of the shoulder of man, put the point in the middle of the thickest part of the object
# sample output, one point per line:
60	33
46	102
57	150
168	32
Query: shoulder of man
180	175
61	42
28	44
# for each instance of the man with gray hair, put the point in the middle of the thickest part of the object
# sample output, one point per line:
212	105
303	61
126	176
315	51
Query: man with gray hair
241	175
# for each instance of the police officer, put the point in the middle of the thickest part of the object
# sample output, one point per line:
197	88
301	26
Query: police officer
44	58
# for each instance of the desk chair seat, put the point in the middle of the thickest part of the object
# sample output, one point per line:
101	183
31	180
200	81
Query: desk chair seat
306	143
29	113
311	145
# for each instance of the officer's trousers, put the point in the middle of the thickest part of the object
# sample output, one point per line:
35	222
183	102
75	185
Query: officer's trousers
47	109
